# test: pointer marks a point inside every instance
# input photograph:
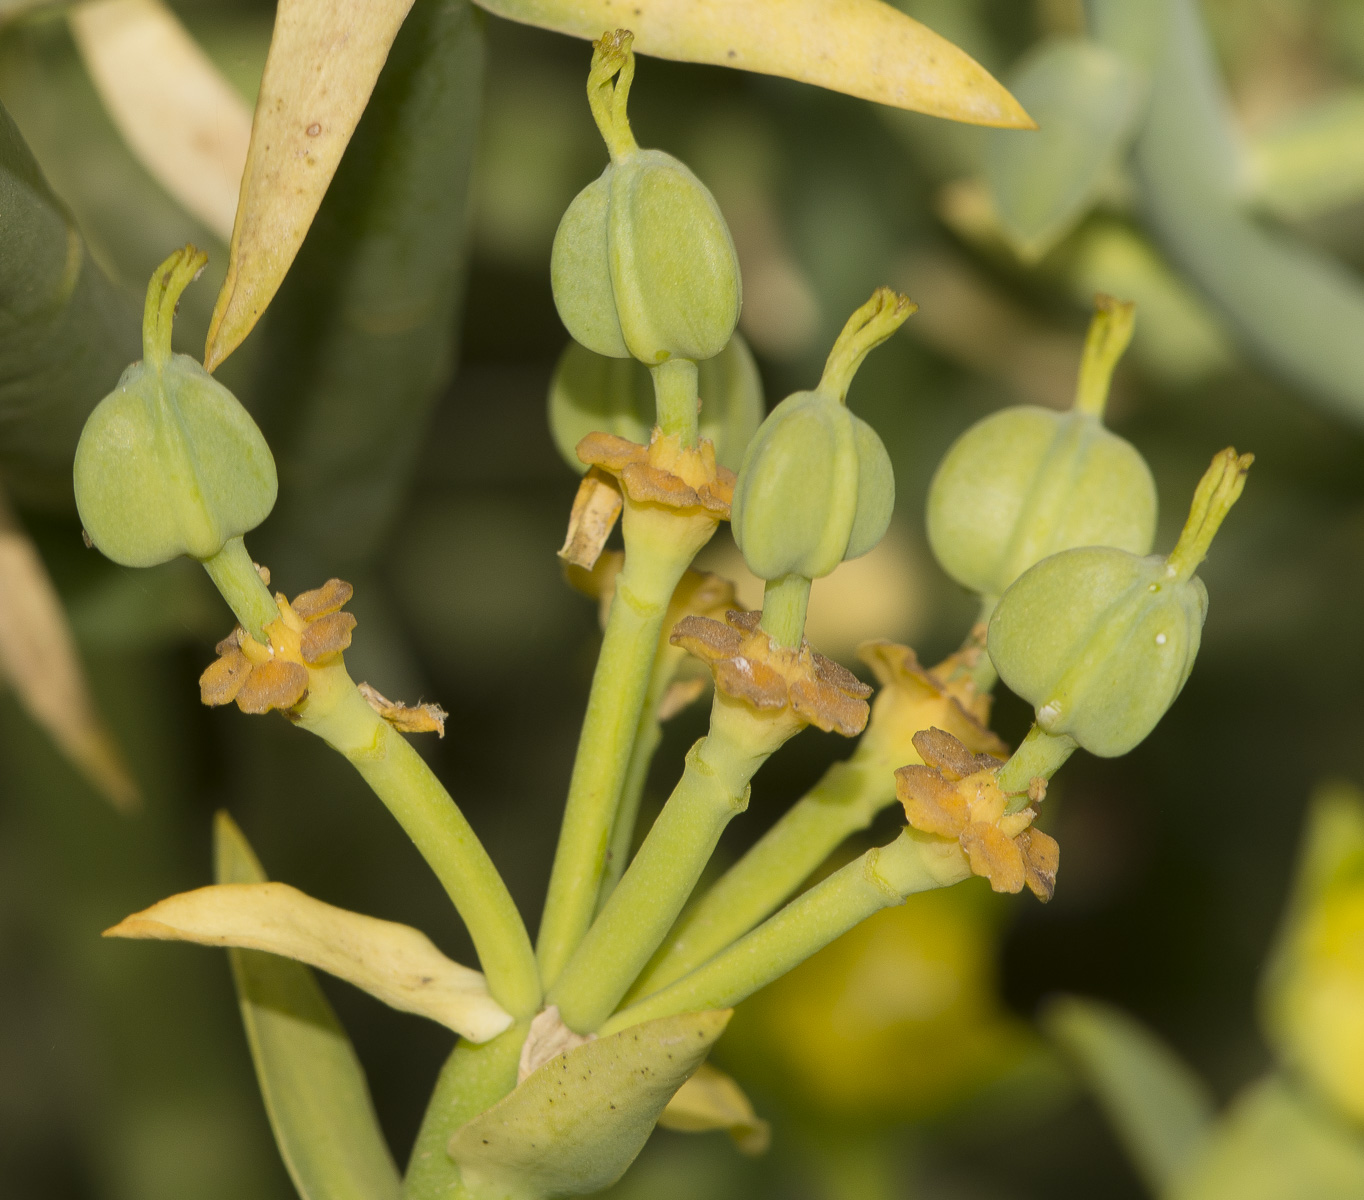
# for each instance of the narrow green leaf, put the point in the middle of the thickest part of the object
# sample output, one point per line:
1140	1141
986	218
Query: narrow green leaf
65	333
578	1121
314	1087
1275	1144
1086	102
359	342
1159	1109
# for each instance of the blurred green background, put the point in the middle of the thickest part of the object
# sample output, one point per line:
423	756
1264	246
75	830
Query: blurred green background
123	1072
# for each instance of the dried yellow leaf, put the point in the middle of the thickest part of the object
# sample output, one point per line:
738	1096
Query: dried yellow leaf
325	57
709	1100
38	658
179	115
862	47
396	963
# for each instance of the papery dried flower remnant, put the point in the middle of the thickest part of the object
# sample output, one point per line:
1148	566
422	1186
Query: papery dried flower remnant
750	666
957	795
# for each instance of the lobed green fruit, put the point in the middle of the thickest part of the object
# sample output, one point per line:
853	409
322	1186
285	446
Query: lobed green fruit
643	264
169	462
1100	641
815	487
590	392
1029	482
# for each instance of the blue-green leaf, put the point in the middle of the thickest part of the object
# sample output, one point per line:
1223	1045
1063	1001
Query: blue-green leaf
314	1087
1275	1144
1158	1107
1086	102
575	1124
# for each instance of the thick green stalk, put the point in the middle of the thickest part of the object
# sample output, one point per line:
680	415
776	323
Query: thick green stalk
654	564
880	878
676	387
784	603
713	789
337	713
235	576
845	800
1040	754
473	1079
647	737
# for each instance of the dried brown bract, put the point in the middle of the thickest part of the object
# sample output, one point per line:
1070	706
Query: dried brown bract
749	666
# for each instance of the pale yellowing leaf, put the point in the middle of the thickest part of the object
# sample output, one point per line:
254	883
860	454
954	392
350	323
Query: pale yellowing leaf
325	57
174	108
862	47
396	963
710	1100
310	1078
578	1122
38	659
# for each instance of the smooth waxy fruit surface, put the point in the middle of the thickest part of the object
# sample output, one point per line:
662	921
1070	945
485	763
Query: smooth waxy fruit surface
815	487
1100	642
643	264
170	463
591	393
1029	482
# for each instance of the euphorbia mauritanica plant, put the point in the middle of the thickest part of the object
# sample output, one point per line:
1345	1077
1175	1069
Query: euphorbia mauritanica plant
573	1047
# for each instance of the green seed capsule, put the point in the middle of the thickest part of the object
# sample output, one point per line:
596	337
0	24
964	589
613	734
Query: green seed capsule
169	462
590	392
1029	482
1100	641
816	485
643	264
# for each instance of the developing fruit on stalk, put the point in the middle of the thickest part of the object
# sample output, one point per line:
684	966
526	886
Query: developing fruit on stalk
816	485
1028	482
590	393
1100	641
643	264
169	462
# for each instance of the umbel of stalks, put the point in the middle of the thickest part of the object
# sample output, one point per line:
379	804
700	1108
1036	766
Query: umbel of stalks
1027	482
169	462
590	392
816	485
1100	641
643	264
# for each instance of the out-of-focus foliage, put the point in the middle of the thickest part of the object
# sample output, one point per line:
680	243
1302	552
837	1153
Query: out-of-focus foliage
123	1071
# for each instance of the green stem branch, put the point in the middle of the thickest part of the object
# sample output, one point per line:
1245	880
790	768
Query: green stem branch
845	800
654	563
713	790
879	878
236	578
473	1079
677	390
337	713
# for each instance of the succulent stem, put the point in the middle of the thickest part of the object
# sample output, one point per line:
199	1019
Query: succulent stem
1110	331
171	278
677	399
1041	754
784	603
612	57
236	578
866	329
1217	491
